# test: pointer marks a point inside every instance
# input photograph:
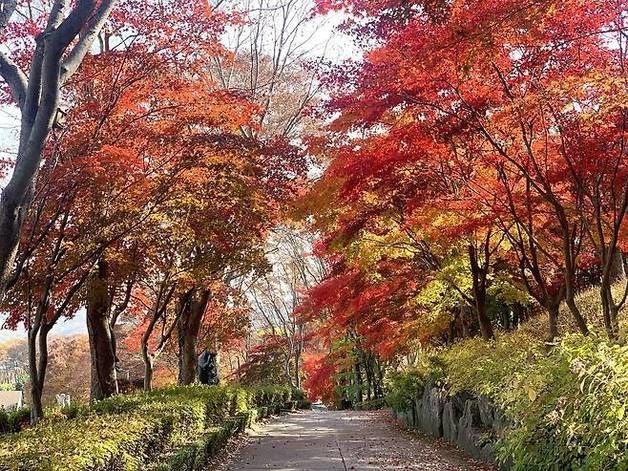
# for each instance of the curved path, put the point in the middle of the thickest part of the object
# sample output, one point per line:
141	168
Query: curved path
343	440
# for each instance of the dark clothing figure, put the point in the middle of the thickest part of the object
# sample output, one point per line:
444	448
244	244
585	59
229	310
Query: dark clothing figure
206	368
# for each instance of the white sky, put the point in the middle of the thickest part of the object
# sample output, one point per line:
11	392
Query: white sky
8	132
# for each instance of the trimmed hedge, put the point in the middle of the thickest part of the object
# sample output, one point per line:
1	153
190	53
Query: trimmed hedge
176	428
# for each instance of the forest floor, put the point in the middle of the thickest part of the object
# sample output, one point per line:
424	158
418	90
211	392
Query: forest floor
341	440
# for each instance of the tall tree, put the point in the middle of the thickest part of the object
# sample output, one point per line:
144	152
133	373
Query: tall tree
490	90
57	41
275	296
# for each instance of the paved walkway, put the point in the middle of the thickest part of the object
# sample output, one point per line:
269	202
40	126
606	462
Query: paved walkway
326	440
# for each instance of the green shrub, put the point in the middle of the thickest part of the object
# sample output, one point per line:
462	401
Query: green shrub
488	368
130	432
575	413
196	454
568	407
298	395
374	404
405	386
13	421
96	442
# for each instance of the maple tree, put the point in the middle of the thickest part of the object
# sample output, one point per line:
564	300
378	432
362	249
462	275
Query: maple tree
463	171
78	216
121	173
472	169
453	139
210	229
43	42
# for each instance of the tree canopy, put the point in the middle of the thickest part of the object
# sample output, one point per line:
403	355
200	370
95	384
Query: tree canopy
206	176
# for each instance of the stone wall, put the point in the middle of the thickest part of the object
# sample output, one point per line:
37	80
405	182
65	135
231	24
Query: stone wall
471	423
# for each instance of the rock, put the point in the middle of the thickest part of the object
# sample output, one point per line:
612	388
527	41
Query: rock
460	399
487	412
486	452
431	416
500	423
418	409
450	422
471	415
462	419
467	433
406	416
412	422
470	436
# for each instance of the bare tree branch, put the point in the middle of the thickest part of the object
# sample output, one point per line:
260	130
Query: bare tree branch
94	26
15	78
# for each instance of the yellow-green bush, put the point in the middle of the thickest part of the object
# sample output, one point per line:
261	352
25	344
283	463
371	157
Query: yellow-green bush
405	386
12	421
489	368
132	432
567	404
567	407
374	404
571	409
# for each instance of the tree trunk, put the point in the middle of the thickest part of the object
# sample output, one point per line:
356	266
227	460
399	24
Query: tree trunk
37	409
148	370
365	375
187	357
36	383
485	323
358	380
613	271
104	382
464	316
287	367
517	314
479	295
114	347
12	214
38	364
553	313
610	311
617	269
379	392
575	312
570	293
297	368
114	315
570	255
192	305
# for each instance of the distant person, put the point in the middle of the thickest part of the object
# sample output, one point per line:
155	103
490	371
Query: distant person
207	368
